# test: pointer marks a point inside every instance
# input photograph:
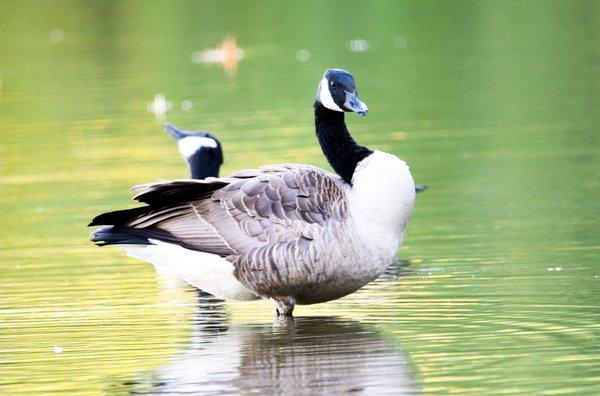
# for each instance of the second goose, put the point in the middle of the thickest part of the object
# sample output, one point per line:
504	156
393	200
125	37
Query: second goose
201	151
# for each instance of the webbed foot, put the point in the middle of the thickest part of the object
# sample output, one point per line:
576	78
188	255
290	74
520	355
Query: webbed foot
284	306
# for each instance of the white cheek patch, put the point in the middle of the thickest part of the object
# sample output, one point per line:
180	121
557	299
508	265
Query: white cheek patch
190	144
325	96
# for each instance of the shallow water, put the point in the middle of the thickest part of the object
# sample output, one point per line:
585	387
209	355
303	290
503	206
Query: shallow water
493	104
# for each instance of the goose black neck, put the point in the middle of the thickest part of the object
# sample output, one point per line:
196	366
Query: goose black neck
202	167
340	149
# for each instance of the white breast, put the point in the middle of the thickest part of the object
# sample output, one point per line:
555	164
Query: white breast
381	201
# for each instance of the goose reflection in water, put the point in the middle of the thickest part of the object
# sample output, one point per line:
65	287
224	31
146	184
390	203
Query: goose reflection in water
326	355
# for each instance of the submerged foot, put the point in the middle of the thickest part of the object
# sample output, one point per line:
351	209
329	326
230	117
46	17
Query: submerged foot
284	306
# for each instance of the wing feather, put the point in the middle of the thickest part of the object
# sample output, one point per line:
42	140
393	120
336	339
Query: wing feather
249	216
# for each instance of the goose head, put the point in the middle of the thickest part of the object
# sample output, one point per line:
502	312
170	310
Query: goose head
337	92
201	151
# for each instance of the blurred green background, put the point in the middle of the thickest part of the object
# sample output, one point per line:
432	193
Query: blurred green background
494	104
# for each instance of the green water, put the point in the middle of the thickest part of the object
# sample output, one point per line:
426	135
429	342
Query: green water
493	104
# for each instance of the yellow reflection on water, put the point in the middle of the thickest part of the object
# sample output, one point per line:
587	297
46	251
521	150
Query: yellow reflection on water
493	105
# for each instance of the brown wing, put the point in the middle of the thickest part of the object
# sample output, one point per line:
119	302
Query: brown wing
246	210
289	203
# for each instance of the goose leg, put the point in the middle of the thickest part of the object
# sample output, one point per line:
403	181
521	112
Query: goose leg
284	306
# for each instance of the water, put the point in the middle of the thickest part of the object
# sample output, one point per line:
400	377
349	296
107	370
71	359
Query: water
493	104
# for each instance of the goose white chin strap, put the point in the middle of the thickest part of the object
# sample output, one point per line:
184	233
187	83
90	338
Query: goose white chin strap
325	96
190	144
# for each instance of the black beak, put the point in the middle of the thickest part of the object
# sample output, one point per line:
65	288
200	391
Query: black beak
173	131
354	104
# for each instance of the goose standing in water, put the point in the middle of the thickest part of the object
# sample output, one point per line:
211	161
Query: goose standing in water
293	233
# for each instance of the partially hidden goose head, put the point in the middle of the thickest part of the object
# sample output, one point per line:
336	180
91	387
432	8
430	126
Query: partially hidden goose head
201	151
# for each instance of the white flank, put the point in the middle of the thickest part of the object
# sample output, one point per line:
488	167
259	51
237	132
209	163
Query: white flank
206	271
381	200
190	144
325	96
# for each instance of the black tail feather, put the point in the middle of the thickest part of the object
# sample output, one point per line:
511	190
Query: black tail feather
119	217
178	191
123	235
117	229
111	235
115	232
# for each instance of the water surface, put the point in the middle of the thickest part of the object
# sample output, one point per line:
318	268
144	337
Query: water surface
493	104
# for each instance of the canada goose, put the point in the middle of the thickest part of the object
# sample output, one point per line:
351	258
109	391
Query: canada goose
294	233
201	151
